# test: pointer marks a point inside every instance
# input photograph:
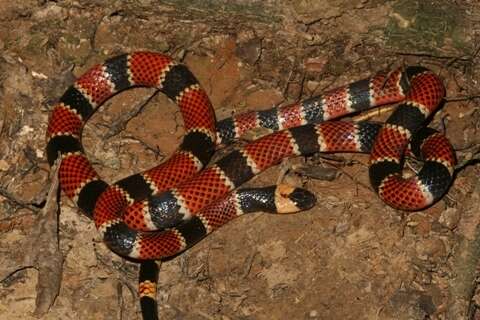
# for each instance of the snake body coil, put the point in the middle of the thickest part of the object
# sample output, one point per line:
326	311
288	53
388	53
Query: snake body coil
164	210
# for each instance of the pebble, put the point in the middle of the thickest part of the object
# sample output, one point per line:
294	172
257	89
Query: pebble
449	218
4	165
430	249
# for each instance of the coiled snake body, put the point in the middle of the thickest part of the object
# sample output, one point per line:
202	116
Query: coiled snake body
164	210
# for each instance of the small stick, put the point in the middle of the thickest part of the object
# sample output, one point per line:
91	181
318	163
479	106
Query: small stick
44	249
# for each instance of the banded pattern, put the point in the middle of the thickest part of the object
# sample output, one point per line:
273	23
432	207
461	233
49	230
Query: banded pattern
240	165
156	245
236	167
166	209
361	95
280	199
386	160
78	178
81	182
147	289
182	207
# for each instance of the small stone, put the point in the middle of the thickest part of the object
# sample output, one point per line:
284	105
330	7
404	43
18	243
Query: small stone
449	218
312	85
39	153
316	65
430	249
250	51
25	130
342	226
313	314
4	165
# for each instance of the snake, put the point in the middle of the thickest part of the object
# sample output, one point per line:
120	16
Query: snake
162	211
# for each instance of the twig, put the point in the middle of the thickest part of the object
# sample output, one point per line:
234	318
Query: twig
473	159
285	166
465	260
11	198
462	98
248	264
119	125
44	251
466	58
354	180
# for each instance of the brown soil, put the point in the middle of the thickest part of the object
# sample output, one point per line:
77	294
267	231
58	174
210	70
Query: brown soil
350	257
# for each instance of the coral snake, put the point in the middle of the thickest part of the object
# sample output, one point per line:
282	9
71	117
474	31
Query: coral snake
164	210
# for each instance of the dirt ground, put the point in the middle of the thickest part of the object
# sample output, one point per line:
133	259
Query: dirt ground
350	257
